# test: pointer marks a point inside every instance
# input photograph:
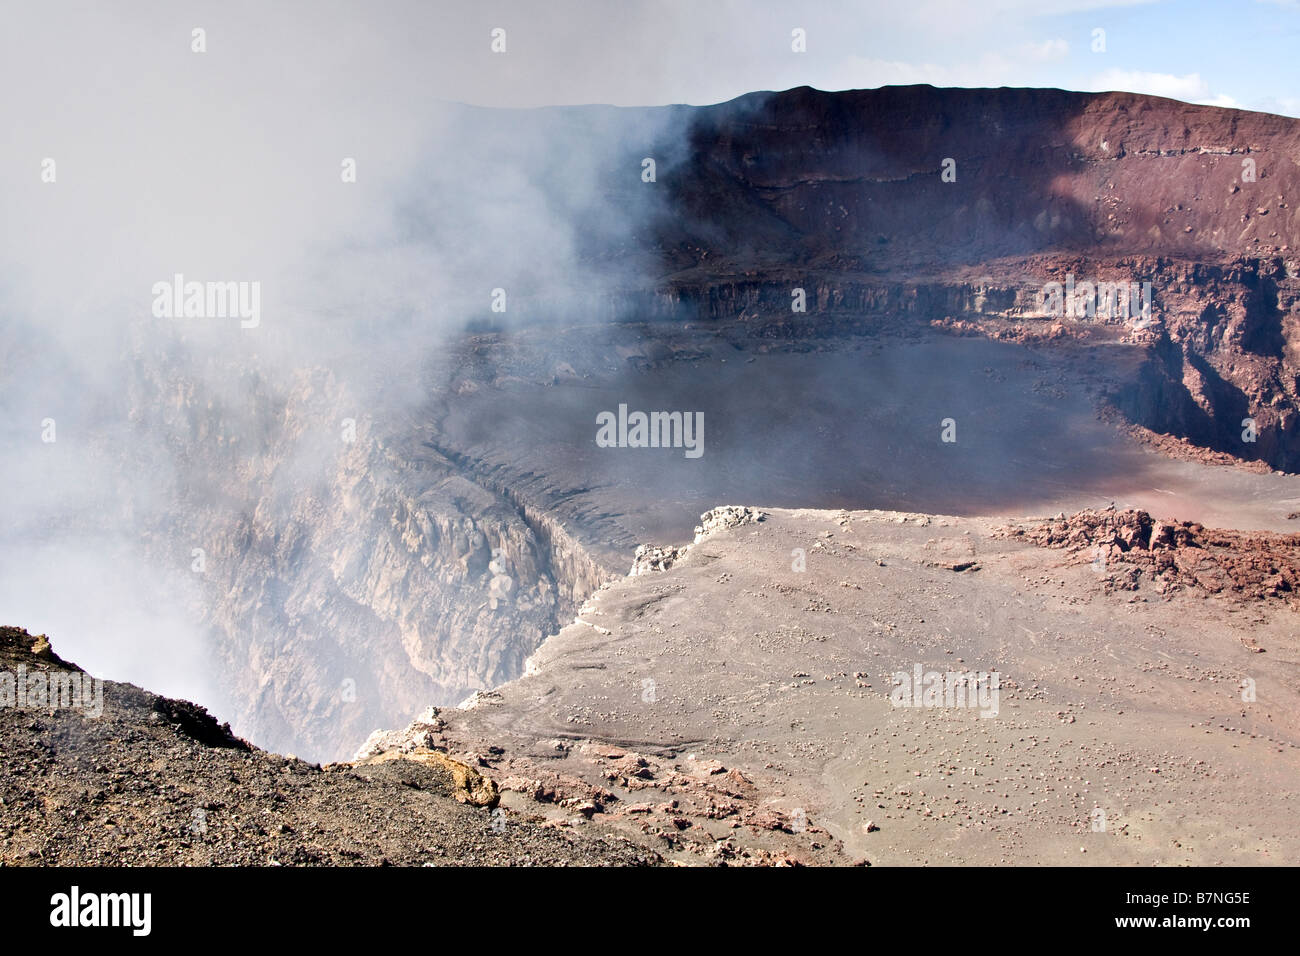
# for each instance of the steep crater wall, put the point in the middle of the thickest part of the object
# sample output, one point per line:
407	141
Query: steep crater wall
347	585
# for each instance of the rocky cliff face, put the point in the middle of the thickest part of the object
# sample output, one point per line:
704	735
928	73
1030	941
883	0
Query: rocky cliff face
801	175
1222	372
844	195
1217	352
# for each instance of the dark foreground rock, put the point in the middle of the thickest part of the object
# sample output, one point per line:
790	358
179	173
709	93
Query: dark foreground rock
154	781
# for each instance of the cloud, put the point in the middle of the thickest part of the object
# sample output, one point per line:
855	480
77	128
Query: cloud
1055	49
1190	88
1282	105
1222	99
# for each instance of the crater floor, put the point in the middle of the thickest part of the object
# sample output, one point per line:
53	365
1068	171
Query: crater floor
733	707
855	423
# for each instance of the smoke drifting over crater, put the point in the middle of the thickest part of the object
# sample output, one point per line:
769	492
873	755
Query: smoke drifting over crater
390	487
370	217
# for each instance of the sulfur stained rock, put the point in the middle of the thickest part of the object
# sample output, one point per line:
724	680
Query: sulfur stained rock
470	786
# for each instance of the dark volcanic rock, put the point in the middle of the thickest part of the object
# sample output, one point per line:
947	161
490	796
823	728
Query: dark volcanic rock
153	781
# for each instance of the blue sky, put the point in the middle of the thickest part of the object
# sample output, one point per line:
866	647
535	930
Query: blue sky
390	53
1227	52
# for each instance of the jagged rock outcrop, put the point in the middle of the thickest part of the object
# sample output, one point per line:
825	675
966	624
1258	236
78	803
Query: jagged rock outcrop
650	558
1124	546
